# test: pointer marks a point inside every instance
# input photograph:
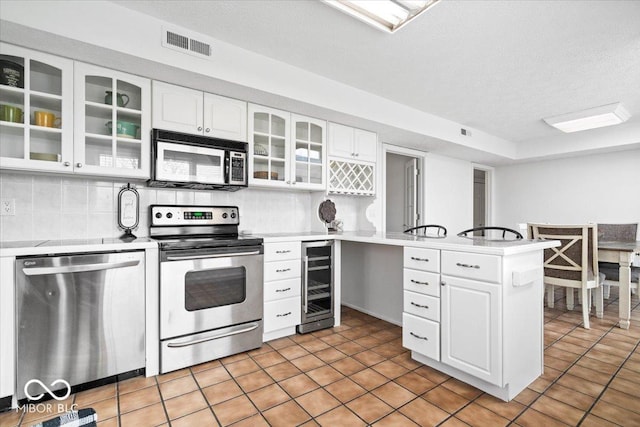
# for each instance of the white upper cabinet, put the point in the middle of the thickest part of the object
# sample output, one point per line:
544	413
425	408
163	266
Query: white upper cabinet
192	111
286	150
352	143
225	118
36	112
269	146
112	123
309	157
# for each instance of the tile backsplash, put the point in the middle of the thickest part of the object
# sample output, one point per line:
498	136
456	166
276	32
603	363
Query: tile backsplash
49	207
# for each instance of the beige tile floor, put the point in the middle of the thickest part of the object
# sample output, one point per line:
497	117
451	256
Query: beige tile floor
358	374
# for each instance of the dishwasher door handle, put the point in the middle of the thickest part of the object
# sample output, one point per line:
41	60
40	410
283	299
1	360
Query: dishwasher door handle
39	271
213	337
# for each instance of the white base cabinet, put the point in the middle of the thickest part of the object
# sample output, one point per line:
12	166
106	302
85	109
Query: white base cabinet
282	285
489	328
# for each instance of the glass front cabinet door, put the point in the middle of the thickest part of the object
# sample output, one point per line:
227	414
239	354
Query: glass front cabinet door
287	150
112	122
309	157
36	110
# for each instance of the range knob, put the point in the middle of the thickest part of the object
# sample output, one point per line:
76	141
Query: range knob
224	215
169	215
158	215
233	214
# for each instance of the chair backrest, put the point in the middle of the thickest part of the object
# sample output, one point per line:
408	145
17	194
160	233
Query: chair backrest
576	259
618	232
492	233
428	230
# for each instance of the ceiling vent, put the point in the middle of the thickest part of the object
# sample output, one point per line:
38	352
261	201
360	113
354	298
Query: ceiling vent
186	42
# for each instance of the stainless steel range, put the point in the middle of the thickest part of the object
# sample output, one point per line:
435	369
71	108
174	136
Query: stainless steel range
210	284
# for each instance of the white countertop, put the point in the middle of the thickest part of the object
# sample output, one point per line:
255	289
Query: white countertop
464	244
498	247
46	247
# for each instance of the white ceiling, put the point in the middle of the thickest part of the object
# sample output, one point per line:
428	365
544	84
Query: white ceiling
498	66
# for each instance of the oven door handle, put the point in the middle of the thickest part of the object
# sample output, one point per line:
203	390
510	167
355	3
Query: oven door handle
224	255
241	330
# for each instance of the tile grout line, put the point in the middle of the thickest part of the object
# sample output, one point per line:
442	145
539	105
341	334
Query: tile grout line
606	387
204	396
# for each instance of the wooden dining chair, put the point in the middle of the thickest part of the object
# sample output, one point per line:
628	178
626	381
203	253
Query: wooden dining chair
573	265
428	230
618	233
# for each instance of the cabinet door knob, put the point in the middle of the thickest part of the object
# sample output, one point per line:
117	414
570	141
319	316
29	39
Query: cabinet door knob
78	165
199	128
443	283
357	154
67	164
207	130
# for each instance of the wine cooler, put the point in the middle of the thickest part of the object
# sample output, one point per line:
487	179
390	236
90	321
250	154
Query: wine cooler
317	286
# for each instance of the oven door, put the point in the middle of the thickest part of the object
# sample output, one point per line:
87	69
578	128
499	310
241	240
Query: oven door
189	163
211	288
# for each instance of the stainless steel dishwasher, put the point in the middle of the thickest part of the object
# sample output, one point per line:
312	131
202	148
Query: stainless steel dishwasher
80	318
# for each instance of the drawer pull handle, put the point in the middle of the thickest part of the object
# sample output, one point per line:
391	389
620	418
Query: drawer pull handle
419	337
283	270
467	265
419	283
283	290
283	315
419	305
420	259
283	252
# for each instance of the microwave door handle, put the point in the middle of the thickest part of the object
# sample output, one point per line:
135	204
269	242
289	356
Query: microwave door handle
227	163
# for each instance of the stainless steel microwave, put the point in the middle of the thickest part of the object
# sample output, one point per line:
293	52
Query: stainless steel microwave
197	162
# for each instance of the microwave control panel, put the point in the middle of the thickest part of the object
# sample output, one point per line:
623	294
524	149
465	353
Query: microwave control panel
194	215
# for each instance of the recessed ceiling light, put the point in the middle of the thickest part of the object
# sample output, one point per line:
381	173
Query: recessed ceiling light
386	15
606	115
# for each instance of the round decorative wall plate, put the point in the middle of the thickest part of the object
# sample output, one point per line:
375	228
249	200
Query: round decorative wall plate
327	211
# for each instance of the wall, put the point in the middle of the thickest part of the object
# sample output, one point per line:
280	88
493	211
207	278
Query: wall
596	188
50	207
448	193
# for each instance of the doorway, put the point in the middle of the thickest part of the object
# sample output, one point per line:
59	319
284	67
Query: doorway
480	197
403	189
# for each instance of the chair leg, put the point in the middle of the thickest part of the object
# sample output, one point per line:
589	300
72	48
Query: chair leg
599	303
569	292
550	296
585	307
606	290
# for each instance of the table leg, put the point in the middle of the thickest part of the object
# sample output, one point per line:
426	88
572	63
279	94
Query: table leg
625	289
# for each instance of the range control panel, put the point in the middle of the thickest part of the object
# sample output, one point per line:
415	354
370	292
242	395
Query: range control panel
194	215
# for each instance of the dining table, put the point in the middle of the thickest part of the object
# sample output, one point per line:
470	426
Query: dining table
621	253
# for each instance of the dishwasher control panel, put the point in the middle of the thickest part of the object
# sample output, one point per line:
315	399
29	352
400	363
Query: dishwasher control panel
175	215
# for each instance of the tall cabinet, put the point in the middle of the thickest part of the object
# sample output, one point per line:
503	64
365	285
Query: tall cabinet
45	86
112	116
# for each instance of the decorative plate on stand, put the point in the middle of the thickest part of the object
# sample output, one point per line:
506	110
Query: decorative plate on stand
327	213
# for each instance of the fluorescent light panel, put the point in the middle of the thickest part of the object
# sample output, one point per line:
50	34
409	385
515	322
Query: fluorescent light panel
386	15
606	115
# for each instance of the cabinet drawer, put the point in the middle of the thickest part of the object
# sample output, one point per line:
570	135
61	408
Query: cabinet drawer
422	282
282	289
282	270
282	314
422	259
472	266
422	305
281	251
421	335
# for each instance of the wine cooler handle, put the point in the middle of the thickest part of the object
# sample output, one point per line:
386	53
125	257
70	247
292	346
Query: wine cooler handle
305	285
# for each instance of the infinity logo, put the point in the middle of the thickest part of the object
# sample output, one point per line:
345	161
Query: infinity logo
51	393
